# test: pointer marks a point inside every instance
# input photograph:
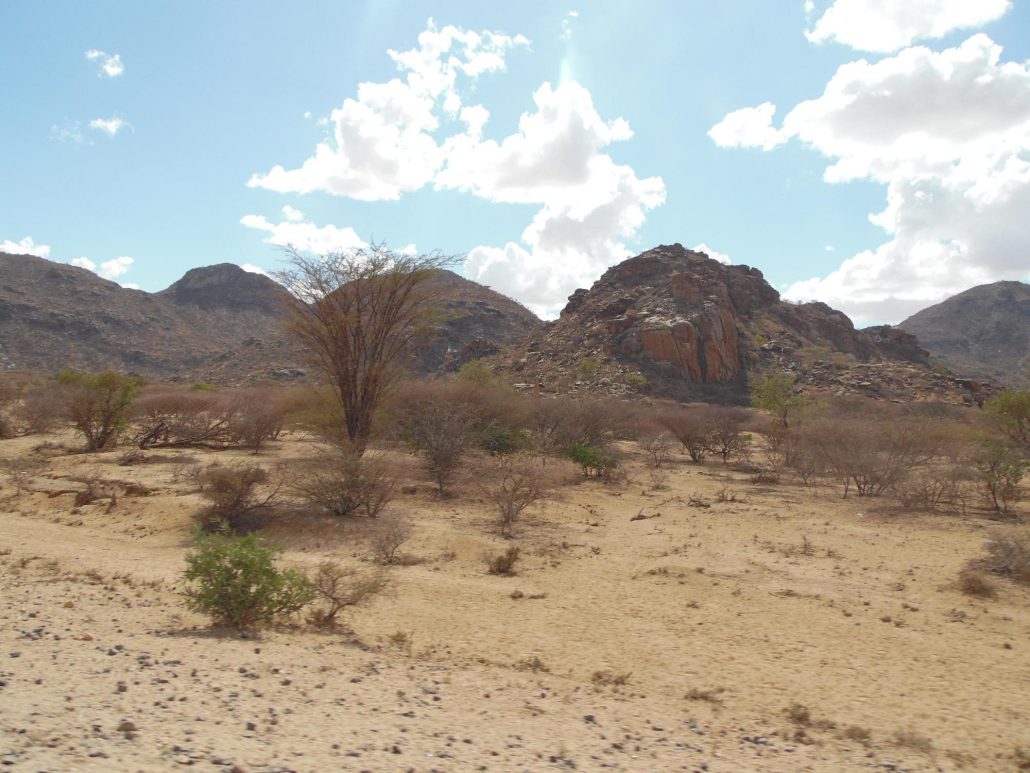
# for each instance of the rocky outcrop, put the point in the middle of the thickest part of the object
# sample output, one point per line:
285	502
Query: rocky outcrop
674	322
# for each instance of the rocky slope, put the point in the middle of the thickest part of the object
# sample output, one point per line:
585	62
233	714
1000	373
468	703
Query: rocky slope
218	323
672	322
984	330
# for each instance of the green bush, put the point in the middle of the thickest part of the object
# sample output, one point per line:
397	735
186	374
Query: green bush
236	582
999	469
97	404
500	440
595	462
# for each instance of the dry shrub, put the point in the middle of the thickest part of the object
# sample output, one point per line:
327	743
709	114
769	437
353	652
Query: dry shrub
657	445
439	430
999	469
339	588
690	428
659	479
387	538
503	564
512	486
235	492
344	484
875	452
38	410
557	423
177	418
1008	555
256	416
974	583
935	488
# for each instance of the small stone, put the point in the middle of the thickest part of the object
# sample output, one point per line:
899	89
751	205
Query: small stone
127	726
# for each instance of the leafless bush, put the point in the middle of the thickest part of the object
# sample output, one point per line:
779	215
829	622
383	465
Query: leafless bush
935	488
235	492
657	445
38	410
974	583
180	419
503	564
387	538
344	484
872	454
726	437
442	433
693	428
514	485
341	588
255	417
1008	555
659	479
22	469
556	423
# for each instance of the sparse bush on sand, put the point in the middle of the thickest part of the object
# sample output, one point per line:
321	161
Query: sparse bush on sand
234	491
503	564
236	582
346	484
340	588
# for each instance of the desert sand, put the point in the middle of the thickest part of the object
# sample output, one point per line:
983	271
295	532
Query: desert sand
646	630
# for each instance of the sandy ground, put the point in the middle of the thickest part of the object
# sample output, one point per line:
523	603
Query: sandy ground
676	641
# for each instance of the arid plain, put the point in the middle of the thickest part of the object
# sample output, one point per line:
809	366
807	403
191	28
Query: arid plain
710	624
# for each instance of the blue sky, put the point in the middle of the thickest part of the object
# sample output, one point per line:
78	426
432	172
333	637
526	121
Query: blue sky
544	140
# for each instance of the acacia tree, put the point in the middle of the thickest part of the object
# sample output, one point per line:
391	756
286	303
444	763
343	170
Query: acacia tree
356	313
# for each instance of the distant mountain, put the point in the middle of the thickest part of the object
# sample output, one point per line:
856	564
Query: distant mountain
672	322
218	323
984	331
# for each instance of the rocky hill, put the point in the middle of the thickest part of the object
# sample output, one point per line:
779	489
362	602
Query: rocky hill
672	322
984	330
218	323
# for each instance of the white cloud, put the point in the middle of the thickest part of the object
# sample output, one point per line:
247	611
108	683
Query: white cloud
109	269
713	254
948	134
25	247
382	142
888	25
250	268
749	127
291	214
109	126
131	286
69	131
409	250
304	236
566	25
110	66
387	142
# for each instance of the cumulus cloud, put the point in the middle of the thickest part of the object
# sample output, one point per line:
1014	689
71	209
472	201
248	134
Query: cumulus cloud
109	65
109	269
25	247
948	134
749	127
382	142
888	25
250	268
393	138
302	235
713	254
109	126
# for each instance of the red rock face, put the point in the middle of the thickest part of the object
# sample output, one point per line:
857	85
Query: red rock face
703	348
